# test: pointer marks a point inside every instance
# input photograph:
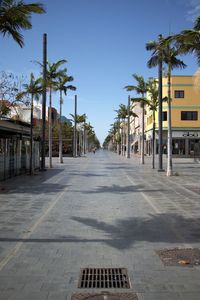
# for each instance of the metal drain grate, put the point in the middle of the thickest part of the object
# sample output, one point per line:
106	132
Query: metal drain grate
104	296
104	278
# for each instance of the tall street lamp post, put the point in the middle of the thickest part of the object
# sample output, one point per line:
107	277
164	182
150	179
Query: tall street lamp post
44	101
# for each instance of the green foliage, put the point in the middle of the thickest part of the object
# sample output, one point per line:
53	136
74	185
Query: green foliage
4	109
33	88
188	41
16	16
9	88
153	94
67	131
106	141
140	88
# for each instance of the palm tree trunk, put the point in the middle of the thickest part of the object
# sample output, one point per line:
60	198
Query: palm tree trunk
50	129
160	125
80	142
153	142
169	135
31	140
128	130
142	146
60	131
75	129
122	140
84	139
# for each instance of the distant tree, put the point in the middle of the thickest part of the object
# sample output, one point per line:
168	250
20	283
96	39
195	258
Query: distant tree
53	74
141	89
10	85
34	89
152	102
62	87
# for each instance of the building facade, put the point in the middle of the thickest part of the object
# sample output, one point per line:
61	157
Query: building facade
185	116
15	149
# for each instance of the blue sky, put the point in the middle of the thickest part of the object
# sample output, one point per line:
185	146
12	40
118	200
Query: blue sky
104	44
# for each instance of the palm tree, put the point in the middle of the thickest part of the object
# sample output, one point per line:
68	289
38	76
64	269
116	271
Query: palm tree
81	119
115	135
124	113
141	88
170	59
88	132
15	15
121	115
152	46
53	73
34	88
188	41
153	106
62	87
78	120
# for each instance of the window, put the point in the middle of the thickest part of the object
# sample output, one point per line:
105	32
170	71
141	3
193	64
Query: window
178	94
164	115
189	115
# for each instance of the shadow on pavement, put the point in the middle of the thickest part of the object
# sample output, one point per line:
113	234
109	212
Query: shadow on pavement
87	174
116	189
33	184
166	228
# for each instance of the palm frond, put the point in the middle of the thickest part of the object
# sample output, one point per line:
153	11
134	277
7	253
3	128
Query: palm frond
15	16
153	61
151	45
197	23
129	88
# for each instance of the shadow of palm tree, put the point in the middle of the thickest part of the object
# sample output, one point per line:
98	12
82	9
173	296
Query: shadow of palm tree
117	189
87	174
166	228
155	228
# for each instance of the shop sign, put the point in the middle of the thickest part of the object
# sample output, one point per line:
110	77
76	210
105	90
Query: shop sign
194	134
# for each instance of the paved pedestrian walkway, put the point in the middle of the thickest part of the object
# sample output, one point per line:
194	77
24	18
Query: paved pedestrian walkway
101	210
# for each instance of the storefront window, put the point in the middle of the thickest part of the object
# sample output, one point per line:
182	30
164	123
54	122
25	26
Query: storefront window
178	146
194	147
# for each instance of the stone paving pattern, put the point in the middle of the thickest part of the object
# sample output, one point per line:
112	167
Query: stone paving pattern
101	210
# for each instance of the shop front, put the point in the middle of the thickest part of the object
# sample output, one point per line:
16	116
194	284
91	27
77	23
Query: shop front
15	149
184	143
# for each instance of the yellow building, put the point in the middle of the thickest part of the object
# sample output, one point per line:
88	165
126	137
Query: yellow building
185	114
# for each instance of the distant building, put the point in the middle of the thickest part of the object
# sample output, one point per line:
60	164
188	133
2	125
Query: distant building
54	115
65	120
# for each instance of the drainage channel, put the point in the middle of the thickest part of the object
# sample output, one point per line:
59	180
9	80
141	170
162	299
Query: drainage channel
104	278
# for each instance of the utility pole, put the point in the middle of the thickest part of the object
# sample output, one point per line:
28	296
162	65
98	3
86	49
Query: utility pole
44	101
160	129
75	131
128	130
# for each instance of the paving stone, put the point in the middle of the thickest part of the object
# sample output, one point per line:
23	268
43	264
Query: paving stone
99	211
